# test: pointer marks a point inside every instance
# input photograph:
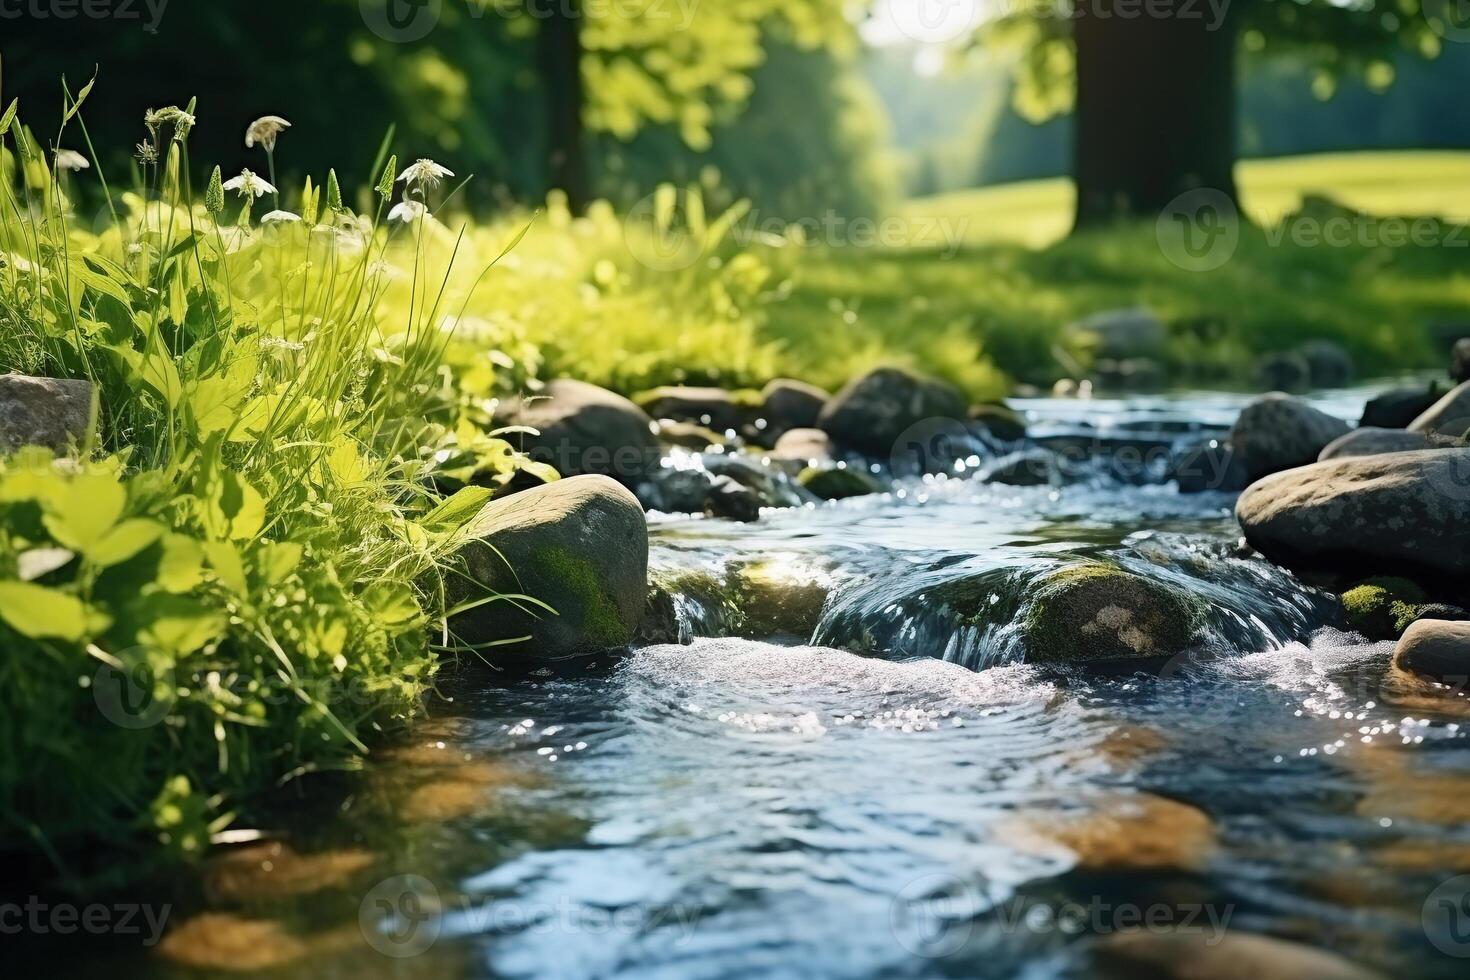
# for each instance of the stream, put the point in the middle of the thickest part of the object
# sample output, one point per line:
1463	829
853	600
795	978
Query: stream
850	771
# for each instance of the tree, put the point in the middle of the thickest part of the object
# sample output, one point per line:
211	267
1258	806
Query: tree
1152	82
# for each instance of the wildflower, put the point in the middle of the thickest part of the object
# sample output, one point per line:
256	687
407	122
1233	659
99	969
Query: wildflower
408	212
334	191
279	218
214	195
264	131
183	121
425	173
146	153
249	184
71	160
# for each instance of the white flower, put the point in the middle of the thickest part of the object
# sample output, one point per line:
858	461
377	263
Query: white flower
425	173
279	217
264	131
408	212
71	160
248	183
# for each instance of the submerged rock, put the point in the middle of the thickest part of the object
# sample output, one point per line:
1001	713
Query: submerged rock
580	546
1209	465
586	429
1001	421
1099	614
1397	408
1382	608
1385	514
1027	468
1277	432
1119	833
714	407
50	412
838	483
1372	441
1450	416
788	404
1201	953
1437	649
871	412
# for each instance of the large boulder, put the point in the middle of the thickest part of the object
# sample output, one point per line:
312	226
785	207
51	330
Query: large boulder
1436	649
788	404
1329	365
1121	334
1396	408
1099	614
1380	514
715	407
1460	360
1277	432
1001	421
1450	416
1025	468
872	411
584	429
49	412
1372	442
580	546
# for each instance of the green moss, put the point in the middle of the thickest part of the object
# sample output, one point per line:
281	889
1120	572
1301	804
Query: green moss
602	624
1382	608
837	484
1096	612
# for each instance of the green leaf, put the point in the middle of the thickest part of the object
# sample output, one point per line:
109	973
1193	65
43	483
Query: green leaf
101	283
125	541
177	625
275	560
228	566
42	613
9	116
181	565
457	510
76	105
236	508
385	184
81	512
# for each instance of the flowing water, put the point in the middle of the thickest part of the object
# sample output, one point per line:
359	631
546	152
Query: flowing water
851	771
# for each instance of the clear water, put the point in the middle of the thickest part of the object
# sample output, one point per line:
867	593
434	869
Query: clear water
870	783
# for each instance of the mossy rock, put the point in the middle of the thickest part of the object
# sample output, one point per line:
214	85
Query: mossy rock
1001	421
773	602
1099	614
838	483
1382	608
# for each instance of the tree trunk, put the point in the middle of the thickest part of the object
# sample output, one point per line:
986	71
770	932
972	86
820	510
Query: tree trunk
560	56
1155	112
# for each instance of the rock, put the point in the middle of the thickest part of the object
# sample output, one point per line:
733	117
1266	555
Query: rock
1460	361
838	483
1118	833
1450	416
1099	614
1122	333
660	623
1277	432
50	412
809	446
715	407
1397	408
772	484
1001	421
1382	608
871	412
777	600
1064	388
586	429
579	545
1027	468
688	435
1386	514
1210	465
1440	610
1283	372
1129	374
1329	365
1372	441
698	491
1204	953
1435	648
787	405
